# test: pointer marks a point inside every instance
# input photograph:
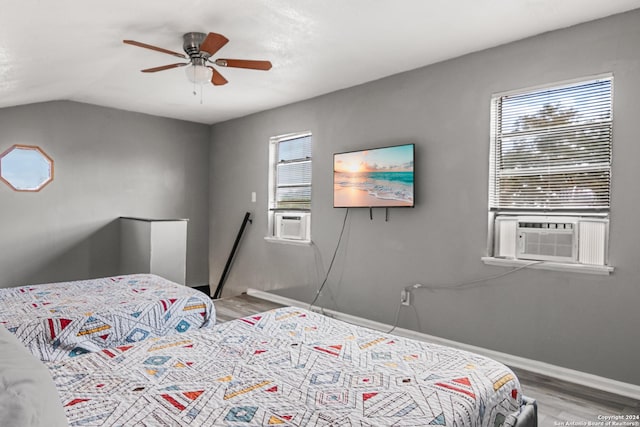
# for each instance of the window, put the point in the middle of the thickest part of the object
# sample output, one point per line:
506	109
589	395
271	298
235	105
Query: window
552	149
26	168
551	157
290	187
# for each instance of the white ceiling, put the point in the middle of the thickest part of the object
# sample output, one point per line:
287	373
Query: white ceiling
73	50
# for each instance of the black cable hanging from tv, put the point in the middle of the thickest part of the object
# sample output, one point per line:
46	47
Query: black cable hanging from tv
232	255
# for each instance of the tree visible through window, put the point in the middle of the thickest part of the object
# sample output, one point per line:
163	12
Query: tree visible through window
551	148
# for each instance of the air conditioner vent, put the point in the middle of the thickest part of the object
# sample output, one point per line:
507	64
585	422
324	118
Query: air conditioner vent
292	225
547	225
550	241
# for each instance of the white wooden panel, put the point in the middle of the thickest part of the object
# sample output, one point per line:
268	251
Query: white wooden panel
593	242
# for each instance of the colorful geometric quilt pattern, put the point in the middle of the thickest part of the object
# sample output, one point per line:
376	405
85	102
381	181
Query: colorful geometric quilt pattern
60	320
285	367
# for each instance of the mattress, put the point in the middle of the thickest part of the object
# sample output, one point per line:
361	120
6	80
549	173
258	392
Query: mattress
60	320
287	367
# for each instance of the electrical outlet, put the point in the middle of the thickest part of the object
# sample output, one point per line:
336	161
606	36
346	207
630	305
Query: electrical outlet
405	297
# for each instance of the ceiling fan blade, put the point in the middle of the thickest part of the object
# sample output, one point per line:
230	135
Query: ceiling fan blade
216	77
164	67
244	63
212	43
158	49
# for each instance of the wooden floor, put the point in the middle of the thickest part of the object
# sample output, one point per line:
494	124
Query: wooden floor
559	403
240	306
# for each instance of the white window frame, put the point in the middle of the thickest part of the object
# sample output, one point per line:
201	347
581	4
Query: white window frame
272	210
497	211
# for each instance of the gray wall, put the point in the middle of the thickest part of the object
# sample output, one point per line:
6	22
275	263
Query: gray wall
584	322
108	163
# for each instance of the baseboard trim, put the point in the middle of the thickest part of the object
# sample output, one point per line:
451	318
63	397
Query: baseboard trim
564	374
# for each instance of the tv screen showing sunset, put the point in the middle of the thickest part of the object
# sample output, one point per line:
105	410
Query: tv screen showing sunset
380	177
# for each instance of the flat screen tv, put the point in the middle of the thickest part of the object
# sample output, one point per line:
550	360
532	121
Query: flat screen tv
378	177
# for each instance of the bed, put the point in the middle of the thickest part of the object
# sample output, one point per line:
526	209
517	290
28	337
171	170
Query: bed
67	319
288	367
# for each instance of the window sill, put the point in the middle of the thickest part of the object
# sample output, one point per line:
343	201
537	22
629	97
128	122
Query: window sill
548	265
272	239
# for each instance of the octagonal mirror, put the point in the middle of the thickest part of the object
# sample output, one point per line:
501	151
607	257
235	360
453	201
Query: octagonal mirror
26	168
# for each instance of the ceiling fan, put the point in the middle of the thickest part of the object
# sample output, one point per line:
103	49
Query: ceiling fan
199	48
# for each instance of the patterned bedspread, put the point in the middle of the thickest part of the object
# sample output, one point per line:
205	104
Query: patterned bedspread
60	320
285	367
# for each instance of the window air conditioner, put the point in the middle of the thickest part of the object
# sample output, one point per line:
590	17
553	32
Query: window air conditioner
293	225
553	240
547	238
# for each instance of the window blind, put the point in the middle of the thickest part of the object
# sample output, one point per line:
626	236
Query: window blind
293	174
551	148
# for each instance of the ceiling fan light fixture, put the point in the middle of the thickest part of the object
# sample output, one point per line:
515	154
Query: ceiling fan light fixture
199	74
